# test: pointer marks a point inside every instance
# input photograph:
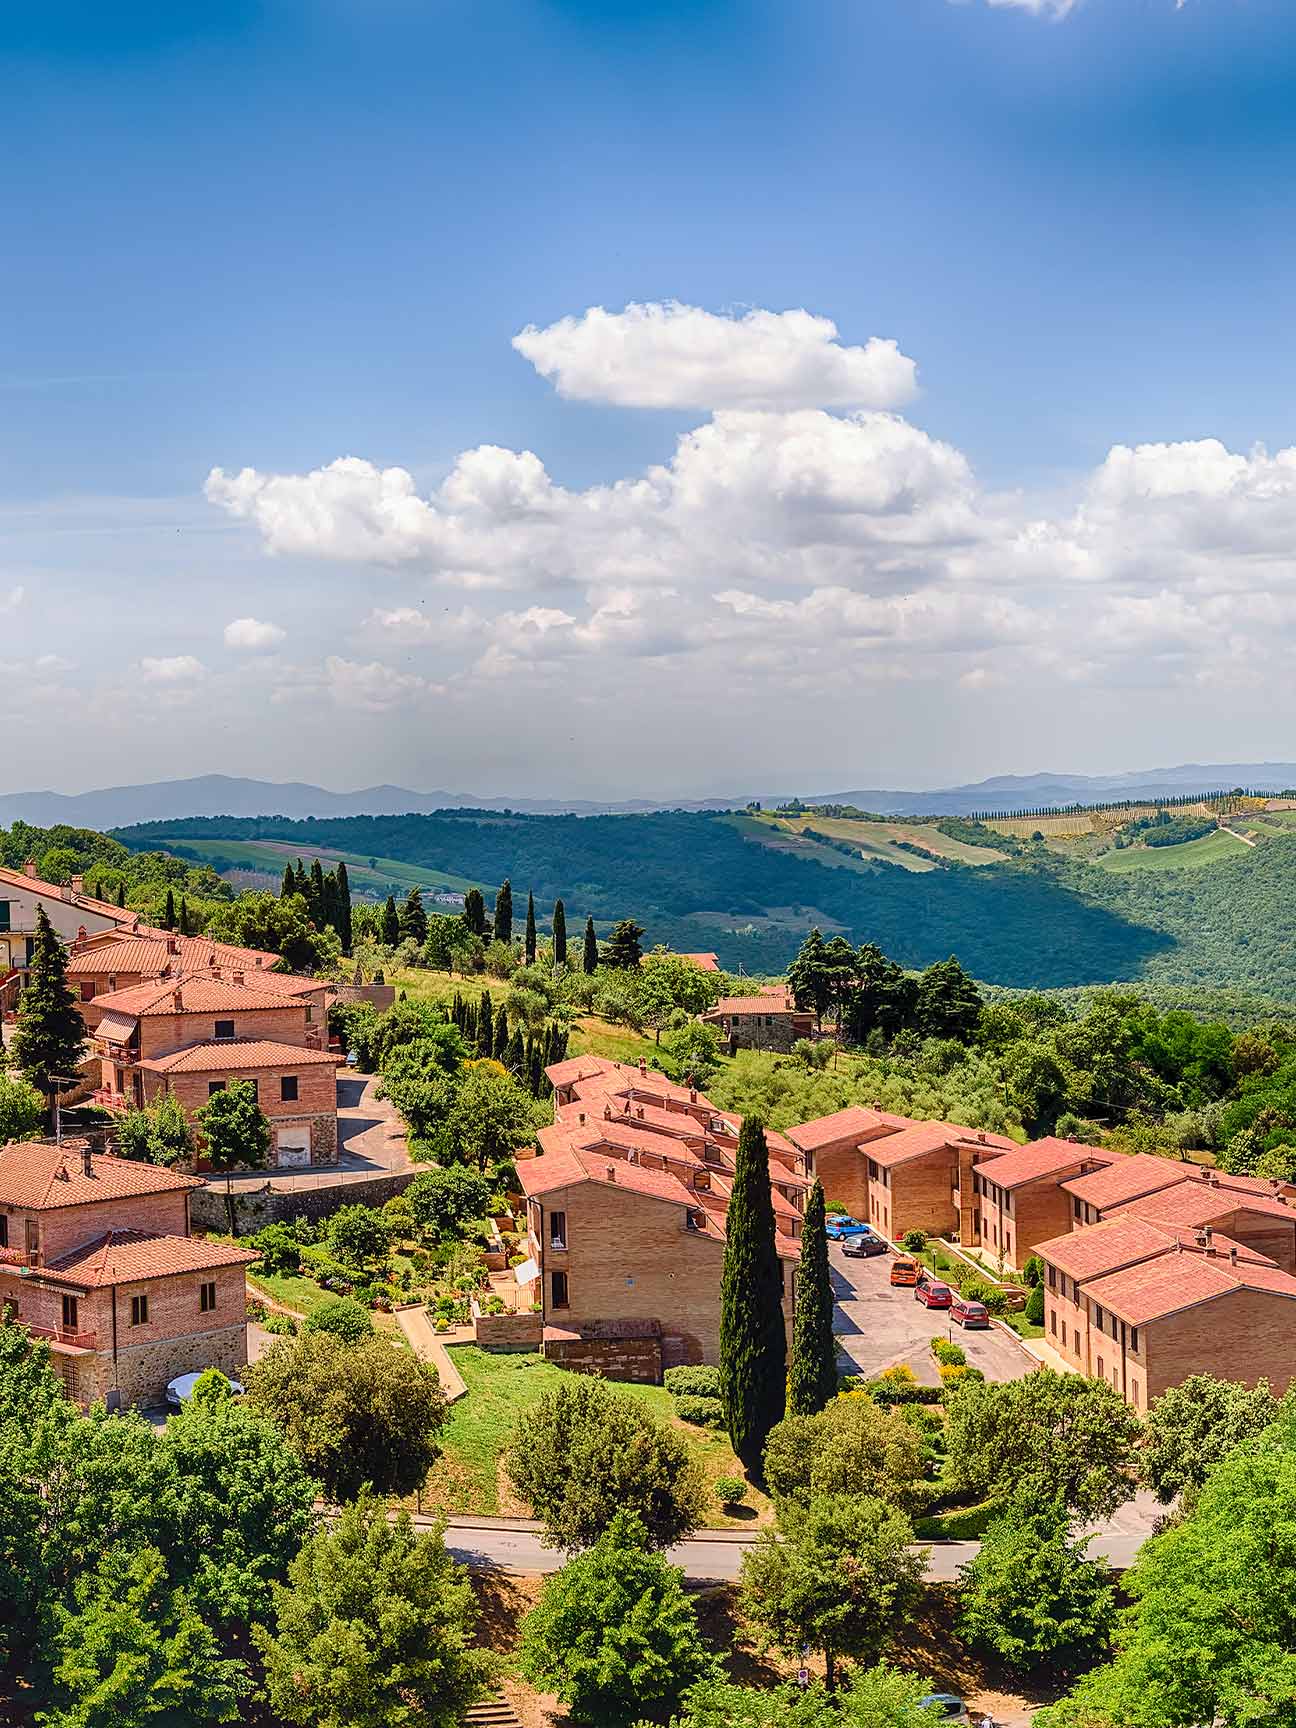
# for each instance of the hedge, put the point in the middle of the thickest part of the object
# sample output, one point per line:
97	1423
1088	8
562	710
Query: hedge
702	1412
692	1382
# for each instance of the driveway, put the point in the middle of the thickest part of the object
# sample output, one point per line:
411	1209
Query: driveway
878	1325
371	1142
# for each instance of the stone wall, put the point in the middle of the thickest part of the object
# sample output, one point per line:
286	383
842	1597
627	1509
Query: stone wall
144	1371
615	1352
507	1332
255	1208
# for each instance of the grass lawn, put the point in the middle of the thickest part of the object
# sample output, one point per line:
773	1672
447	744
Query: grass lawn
480	1427
300	1294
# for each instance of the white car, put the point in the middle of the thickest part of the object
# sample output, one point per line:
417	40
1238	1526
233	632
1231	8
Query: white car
180	1390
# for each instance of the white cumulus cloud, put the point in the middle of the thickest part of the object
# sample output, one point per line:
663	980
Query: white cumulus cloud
371	687
665	355
253	634
172	669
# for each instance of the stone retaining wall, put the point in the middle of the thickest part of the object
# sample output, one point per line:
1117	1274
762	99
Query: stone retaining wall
507	1332
256	1207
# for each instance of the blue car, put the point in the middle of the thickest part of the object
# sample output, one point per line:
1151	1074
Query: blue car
839	1226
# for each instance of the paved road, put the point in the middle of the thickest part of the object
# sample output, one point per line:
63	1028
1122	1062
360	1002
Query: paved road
878	1325
513	1545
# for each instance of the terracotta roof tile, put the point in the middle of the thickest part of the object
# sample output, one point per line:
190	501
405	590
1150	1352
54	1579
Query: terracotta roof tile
225	1055
1047	1157
703	962
922	1138
857	1121
755	1005
1193	1204
564	1168
1174	1281
199	993
126	1256
52	891
148	954
1125	1178
41	1178
1098	1249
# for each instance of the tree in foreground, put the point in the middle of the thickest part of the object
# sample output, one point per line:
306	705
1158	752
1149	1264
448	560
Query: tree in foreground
341	1316
753	1344
836	1575
491	1117
445	1200
1190	1428
586	1452
851	1447
614	1633
130	1650
589	951
374	1629
1210	1633
236	1135
879	1697
49	1037
390	923
812	1372
22	1110
1033	1597
1041	1436
357	1414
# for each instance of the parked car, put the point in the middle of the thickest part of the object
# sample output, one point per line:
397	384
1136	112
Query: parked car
973	1315
839	1226
933	1294
904	1270
865	1247
180	1390
945	1707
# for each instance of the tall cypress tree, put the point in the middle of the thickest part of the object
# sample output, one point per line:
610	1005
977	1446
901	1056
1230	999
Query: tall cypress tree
514	1058
470	1023
168	912
289	884
504	912
343	926
315	893
559	934
50	1035
121	893
530	931
182	917
328	902
500	1037
589	959
486	1025
413	919
301	883
753	1344
474	912
812	1371
390	923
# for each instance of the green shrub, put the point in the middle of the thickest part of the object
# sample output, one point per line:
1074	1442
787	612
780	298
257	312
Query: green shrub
1035	1306
255	1311
730	1490
996	1302
702	1412
493	1305
343	1317
692	1382
441	1325
1033	1271
914	1241
947	1354
955	1374
887	1392
281	1324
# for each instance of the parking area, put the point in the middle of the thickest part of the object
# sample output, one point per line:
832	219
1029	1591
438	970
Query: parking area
879	1325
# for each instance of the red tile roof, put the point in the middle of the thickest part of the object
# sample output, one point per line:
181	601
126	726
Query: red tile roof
1101	1248
1125	1178
41	1178
52	891
126	1256
225	1055
856	1122
922	1138
564	1167
1192	1204
756	1005
1174	1281
147	954
704	962
1047	1157
199	993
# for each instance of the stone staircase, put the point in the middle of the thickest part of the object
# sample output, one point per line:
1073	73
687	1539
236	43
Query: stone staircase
492	1713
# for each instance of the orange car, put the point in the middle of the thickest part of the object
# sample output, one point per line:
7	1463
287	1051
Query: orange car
904	1271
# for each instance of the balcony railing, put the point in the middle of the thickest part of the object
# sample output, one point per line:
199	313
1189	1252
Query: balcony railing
109	1099
19	1257
65	1335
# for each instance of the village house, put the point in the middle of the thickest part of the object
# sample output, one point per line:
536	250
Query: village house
68	907
1143	1305
833	1147
193	1033
626	1206
1021	1200
97	1257
769	1021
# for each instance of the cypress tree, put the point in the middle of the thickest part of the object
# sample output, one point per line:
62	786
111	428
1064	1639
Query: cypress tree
474	912
753	1345
457	1011
184	916
812	1372
514	1058
413	919
486	1025
501	1034
301	883
315	897
559	934
121	893
504	912
535	1073
343	925
530	931
289	884
470	1023
390	923
328	902
50	1035
589	959
168	912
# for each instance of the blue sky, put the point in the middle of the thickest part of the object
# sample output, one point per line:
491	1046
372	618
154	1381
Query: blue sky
304	232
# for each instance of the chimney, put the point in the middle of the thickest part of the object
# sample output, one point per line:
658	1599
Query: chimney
627	1107
173	945
692	1094
877	1105
611	1172
80	935
1233	1255
1203	1237
607	1112
1209	1234
177	1001
643	1064
581	1118
78	884
1178	1246
981	1135
236	977
87	1168
640	1113
65	892
29	867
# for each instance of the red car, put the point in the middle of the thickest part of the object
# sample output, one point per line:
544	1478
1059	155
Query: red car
933	1294
970	1314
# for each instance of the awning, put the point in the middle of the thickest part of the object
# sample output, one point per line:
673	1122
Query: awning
527	1272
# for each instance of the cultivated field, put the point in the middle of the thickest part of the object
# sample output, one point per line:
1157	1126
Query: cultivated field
371	876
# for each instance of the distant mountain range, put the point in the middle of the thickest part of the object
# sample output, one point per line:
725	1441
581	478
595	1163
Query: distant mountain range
223	795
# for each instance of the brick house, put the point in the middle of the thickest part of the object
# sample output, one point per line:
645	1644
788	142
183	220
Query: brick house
1021	1200
764	1022
1143	1305
1245	1209
833	1147
96	1256
920	1178
70	910
193	1033
626	1204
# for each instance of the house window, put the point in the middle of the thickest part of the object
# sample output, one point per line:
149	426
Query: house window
1007	1203
1102	1372
70	1313
1053	1321
558	1289
139	1311
287	1088
1052	1278
557	1229
215	1086
224	1029
873	1170
4	915
310	1014
4	1231
207	1297
1064	1334
1075	1209
87	990
33	1236
1134	1338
